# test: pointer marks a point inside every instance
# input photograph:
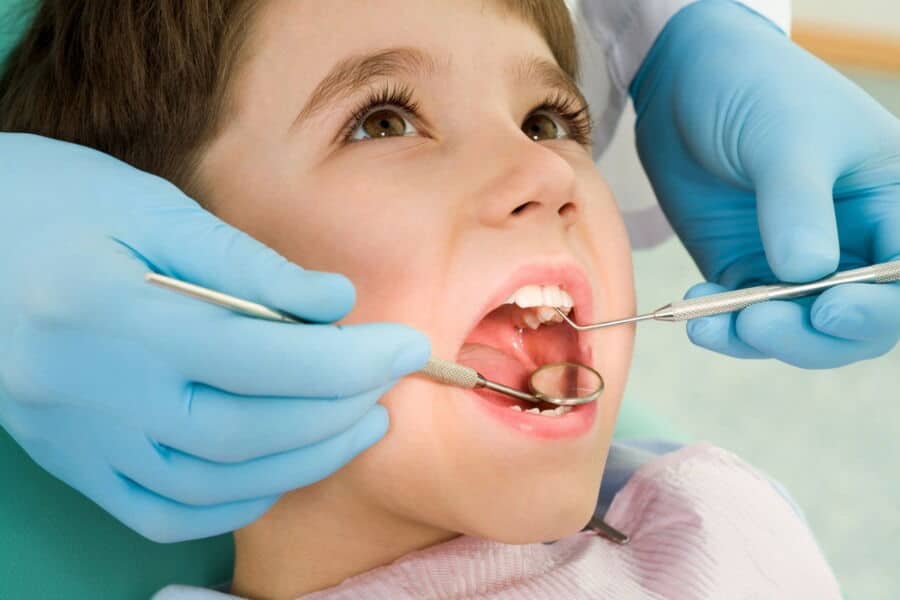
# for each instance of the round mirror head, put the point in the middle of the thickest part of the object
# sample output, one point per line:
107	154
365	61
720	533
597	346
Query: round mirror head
566	383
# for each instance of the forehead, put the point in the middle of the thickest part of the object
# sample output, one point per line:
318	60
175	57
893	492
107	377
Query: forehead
299	42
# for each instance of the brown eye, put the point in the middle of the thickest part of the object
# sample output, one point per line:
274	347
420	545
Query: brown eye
540	126
384	123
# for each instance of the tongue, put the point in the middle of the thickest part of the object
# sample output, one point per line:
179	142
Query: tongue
495	364
506	354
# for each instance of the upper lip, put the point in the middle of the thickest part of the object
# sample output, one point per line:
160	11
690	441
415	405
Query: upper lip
564	272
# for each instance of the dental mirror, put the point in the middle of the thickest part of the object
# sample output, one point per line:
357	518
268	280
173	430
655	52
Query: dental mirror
566	383
562	383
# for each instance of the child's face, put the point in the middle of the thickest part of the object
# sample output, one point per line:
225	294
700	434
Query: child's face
435	229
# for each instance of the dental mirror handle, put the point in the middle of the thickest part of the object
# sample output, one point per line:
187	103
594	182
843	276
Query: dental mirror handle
442	371
239	305
726	302
451	373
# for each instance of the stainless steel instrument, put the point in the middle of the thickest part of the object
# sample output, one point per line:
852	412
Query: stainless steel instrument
716	304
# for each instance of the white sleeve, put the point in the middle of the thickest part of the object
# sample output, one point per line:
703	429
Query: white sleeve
628	28
614	37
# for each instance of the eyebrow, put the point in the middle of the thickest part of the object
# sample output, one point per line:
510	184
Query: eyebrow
549	75
354	72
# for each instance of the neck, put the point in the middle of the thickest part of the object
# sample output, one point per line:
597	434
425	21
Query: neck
316	537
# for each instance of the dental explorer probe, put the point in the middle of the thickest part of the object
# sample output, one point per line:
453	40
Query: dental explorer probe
726	302
441	371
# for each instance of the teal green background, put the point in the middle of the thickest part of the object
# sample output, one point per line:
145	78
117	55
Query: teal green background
14	15
56	544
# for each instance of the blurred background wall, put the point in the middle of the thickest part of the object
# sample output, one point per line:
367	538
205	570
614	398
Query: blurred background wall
832	437
869	15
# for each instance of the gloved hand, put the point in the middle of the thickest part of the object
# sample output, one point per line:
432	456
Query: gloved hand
182	419
771	166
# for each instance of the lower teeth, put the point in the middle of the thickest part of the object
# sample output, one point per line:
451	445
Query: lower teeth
550	412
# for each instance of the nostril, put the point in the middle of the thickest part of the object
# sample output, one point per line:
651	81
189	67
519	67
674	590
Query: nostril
523	207
567	210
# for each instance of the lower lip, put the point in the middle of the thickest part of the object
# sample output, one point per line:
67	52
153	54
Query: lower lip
574	423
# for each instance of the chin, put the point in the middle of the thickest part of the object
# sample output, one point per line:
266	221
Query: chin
554	518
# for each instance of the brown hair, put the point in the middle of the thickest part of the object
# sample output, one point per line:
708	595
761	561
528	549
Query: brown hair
552	20
142	80
147	80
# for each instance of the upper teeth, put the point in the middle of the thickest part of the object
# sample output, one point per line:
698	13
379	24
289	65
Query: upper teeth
541	295
538	302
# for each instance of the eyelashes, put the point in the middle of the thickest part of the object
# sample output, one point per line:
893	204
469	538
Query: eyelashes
396	95
572	111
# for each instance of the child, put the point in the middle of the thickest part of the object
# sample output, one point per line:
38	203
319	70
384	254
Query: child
437	154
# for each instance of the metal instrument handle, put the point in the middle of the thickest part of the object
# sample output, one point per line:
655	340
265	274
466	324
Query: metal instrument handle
725	302
239	305
451	373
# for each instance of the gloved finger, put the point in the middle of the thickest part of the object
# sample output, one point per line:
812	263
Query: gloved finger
188	243
717	332
225	350
197	482
165	521
859	311
886	237
226	428
252	357
795	204
751	270
783	330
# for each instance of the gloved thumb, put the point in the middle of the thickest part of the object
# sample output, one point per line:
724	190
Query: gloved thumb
187	242
795	204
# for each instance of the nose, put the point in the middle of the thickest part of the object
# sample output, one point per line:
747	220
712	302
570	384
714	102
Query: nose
527	181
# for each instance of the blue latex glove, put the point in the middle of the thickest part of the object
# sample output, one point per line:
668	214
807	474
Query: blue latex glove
727	105
182	419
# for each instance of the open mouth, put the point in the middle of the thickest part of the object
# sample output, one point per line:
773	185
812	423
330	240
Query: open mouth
520	335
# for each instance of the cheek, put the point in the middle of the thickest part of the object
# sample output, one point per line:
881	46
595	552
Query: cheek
379	238
411	472
605	242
